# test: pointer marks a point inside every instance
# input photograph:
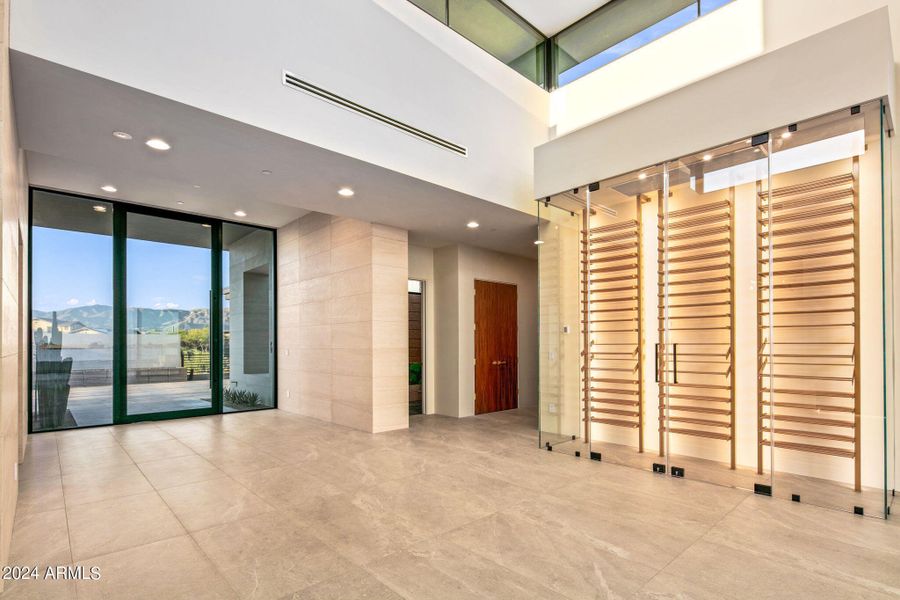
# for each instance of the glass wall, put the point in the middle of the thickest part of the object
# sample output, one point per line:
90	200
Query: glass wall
824	412
617	28
71	312
610	32
144	314
736	316
168	299
248	317
559	298
498	30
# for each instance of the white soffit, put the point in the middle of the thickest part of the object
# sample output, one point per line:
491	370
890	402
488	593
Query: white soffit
840	67
552	17
66	119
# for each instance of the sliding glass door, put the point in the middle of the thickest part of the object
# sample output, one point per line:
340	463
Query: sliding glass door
141	314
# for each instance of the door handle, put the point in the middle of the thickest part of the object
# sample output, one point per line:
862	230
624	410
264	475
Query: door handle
675	361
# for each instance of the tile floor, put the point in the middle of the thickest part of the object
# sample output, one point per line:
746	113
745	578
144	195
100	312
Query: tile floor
271	505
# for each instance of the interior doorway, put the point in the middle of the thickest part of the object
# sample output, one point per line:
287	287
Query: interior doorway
496	347
416	300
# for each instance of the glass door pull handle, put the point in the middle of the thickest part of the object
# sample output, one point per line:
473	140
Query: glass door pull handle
675	361
656	363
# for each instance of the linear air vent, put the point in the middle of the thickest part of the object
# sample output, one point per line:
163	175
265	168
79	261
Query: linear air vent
294	82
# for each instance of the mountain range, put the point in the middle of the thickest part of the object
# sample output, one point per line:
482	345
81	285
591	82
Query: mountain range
100	317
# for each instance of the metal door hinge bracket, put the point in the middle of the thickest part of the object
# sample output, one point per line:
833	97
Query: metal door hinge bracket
762	489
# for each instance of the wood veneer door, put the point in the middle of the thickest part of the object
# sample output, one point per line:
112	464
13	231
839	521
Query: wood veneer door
496	347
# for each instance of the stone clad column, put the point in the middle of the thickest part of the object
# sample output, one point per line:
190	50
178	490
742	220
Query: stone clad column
344	359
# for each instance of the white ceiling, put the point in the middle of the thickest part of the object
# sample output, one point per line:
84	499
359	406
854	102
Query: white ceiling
65	122
550	17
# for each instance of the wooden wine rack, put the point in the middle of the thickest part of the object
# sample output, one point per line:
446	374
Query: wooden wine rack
696	371
811	346
611	288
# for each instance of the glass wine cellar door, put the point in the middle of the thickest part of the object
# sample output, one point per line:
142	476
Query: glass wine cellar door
733	315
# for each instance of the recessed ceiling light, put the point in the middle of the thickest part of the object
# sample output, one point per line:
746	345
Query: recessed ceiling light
642	176
785	135
240	213
538	242
346	192
196	187
109	188
180	202
158	144
99	208
707	157
122	135
472	224
266	172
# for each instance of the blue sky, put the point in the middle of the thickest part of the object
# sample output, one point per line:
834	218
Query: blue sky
642	38
75	269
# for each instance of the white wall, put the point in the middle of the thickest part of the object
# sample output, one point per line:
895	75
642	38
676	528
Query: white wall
455	270
227	57
477	263
803	80
722	39
731	35
447	363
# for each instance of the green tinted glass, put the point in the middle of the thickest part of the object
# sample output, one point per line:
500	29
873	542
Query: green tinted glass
613	23
502	33
435	8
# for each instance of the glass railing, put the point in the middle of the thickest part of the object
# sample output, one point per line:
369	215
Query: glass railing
617	28
496	29
610	32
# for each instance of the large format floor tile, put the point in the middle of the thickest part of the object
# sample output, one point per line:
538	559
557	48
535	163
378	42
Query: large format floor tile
40	494
171	472
439	569
273	505
120	523
290	487
102	483
270	555
579	566
40	540
173	569
213	502
353	583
